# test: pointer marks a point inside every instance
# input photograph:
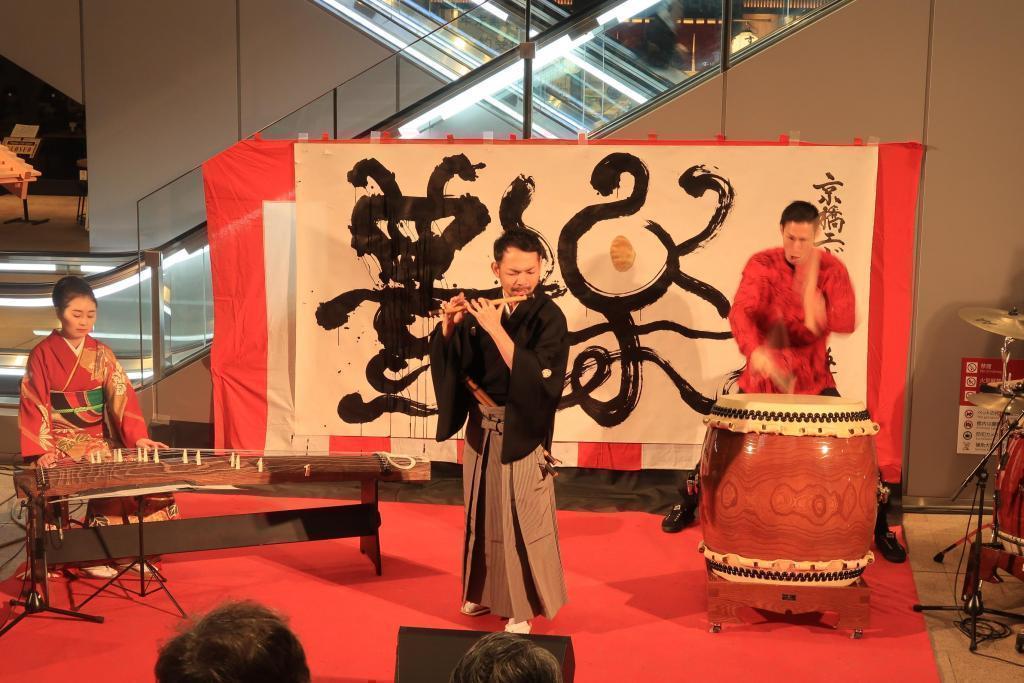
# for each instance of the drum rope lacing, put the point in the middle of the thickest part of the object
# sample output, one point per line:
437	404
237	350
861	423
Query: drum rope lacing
786	577
789	416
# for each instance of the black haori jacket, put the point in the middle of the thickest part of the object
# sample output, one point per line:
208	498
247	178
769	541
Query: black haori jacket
541	337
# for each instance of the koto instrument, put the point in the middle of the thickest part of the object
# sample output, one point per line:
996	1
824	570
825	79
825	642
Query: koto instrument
15	173
124	470
138	472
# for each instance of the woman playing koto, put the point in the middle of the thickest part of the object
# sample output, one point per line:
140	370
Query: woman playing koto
76	401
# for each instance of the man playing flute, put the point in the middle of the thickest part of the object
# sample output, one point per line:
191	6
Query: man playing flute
514	355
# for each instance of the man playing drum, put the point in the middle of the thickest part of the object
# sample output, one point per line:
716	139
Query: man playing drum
789	299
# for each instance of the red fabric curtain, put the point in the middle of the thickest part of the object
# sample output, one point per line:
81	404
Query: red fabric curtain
891	304
237	182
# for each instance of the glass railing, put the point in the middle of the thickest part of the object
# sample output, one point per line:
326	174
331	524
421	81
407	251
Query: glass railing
602	67
446	39
641	64
185	293
28	314
126	290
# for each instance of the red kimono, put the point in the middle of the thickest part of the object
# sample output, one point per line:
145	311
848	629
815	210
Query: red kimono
768	311
76	404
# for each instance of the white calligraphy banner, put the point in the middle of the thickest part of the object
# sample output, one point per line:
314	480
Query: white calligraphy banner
386	230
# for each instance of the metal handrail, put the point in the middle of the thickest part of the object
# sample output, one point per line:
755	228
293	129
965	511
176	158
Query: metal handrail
43	289
619	57
91	256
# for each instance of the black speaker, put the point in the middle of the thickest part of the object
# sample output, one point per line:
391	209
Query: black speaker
428	655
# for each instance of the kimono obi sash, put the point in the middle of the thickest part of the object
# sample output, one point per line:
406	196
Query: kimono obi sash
83	409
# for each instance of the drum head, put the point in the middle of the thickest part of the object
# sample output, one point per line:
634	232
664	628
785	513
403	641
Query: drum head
793	415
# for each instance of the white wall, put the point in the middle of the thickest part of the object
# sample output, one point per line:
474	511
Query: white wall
696	115
161	84
44	38
971	247
169	84
292	52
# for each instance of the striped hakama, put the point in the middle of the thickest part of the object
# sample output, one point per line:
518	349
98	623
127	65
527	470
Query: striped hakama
511	561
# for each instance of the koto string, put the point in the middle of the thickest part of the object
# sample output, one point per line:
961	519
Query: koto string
173	456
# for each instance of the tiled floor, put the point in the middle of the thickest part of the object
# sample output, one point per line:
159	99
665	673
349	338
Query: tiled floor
61	233
938	584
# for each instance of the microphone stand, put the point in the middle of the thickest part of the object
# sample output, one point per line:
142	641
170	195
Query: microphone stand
35	598
973	604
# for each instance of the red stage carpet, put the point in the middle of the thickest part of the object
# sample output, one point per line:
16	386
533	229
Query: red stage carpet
635	612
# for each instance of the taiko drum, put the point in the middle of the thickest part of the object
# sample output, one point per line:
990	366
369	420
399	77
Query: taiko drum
1011	497
788	489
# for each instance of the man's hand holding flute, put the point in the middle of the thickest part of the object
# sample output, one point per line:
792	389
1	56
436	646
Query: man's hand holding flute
452	313
455	309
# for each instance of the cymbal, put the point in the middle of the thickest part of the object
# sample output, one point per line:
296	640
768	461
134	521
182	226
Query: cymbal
997	403
995	321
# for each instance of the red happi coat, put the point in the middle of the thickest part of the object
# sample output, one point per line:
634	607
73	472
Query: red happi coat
74	405
768	311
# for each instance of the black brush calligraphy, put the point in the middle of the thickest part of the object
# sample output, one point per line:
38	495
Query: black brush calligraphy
396	232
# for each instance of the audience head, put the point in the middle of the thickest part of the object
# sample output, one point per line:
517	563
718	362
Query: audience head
239	642
506	658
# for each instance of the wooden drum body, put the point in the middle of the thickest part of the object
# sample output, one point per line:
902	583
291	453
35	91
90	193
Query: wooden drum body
788	489
1011	497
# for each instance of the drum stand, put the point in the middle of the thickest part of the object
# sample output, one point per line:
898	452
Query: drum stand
973	604
728	600
35	598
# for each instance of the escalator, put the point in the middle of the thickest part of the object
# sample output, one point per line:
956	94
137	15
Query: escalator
452	45
592	72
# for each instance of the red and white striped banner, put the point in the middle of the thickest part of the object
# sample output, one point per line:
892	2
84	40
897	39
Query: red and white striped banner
279	254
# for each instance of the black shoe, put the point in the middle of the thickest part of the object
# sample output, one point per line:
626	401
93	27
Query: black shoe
678	518
890	547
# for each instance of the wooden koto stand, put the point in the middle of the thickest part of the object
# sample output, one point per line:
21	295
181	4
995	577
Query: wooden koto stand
727	599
